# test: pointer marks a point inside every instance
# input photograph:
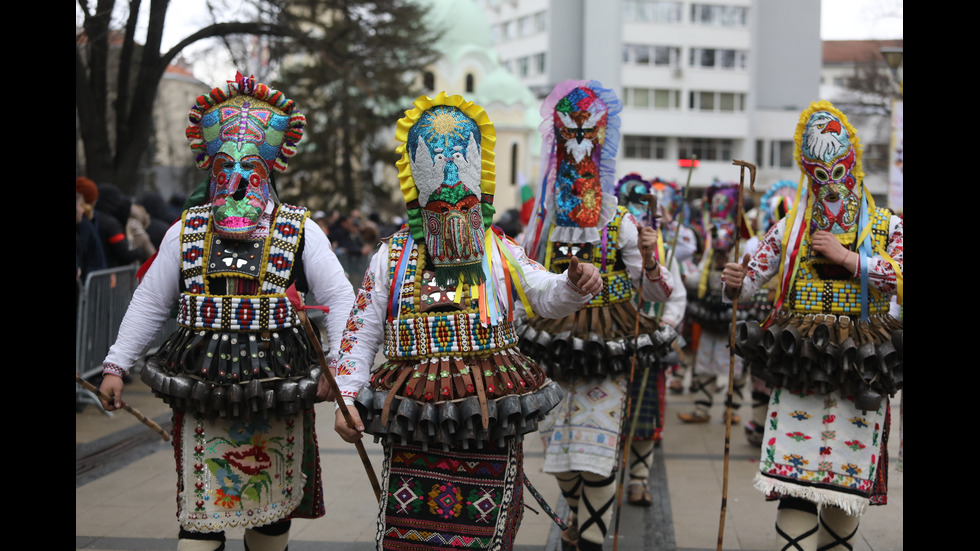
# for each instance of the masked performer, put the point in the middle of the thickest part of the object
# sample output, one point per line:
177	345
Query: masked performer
589	352
650	398
455	396
710	311
831	350
240	372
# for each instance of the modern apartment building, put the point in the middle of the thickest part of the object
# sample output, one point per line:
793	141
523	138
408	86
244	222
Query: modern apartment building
719	79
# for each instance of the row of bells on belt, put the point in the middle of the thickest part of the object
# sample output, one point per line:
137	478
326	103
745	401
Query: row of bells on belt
255	399
458	424
568	356
807	354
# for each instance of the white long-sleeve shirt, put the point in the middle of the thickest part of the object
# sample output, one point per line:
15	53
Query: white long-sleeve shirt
160	288
765	262
550	295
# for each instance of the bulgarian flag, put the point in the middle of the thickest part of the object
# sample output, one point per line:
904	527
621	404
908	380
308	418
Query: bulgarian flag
527	199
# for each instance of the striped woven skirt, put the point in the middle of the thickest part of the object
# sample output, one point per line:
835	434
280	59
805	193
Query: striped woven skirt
456	499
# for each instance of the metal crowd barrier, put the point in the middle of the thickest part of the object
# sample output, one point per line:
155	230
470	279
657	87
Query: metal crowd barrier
102	302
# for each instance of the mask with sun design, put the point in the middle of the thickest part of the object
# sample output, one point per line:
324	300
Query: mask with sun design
243	133
446	173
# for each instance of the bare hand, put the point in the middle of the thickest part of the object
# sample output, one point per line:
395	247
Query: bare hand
324	391
112	387
345	432
733	274
648	241
827	244
584	276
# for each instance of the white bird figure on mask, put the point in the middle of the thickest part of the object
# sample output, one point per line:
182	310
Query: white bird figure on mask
823	138
579	149
429	172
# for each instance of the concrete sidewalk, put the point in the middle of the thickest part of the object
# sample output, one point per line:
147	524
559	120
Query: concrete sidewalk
125	490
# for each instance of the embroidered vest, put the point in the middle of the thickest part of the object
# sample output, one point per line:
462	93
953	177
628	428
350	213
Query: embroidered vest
268	263
616	283
824	288
423	328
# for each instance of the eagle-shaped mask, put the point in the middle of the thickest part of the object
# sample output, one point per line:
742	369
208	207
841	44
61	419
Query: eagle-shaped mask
830	155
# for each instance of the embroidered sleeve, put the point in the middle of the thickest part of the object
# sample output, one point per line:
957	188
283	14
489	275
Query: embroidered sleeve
881	273
550	294
364	330
150	306
765	261
327	283
677	303
656	289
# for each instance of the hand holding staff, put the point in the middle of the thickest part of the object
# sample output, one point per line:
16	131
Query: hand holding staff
123	405
301	310
731	346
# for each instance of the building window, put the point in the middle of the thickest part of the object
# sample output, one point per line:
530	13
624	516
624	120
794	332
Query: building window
507	30
541	21
522	66
781	153
429	81
717	15
875	158
666	99
725	102
539	65
716	58
646	54
469	83
524	27
651	11
707	149
645	147
649	98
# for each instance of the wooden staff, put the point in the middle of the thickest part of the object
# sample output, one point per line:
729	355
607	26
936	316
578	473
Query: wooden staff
651	208
731	347
311	332
135	412
687	186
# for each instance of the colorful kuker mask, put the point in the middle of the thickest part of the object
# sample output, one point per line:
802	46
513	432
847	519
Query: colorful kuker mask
243	133
776	203
580	120
446	172
721	202
631	190
669	196
830	155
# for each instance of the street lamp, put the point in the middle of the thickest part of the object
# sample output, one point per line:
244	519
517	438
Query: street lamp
893	57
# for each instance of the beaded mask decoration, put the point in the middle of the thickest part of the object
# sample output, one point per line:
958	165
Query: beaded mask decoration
830	155
721	203
831	195
243	133
776	203
630	189
446	172
669	196
580	137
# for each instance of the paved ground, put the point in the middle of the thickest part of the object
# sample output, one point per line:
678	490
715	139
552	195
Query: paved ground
124	490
